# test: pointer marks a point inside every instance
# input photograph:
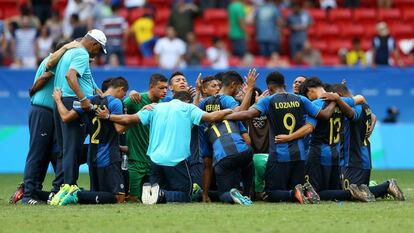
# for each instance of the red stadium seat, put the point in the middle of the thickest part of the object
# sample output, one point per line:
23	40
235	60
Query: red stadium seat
160	3
352	30
159	30
320	45
389	14
211	15
206	30
10	11
365	15
162	15
403	4
330	60
286	13
408	15
149	62
327	30
205	62
135	14
340	15
260	61
234	61
318	15
366	44
131	46
336	45
123	12
222	30
401	31
369	31
132	61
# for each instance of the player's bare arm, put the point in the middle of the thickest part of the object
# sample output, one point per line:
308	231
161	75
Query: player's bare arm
40	82
251	83
216	116
300	133
208	170
65	114
124	119
243	115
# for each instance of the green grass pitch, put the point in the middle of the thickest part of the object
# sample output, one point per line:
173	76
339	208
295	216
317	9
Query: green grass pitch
332	217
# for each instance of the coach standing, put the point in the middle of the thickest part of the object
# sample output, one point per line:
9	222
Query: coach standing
74	77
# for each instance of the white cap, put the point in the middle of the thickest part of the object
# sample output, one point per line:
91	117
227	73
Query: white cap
99	36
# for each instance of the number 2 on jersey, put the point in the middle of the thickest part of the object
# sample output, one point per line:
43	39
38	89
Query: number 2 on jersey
289	126
94	138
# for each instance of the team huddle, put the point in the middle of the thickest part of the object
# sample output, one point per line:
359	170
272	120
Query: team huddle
223	141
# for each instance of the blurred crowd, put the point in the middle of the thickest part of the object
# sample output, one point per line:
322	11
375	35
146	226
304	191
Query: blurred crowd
28	37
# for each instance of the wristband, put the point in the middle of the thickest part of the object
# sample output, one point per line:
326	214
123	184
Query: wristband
83	99
109	116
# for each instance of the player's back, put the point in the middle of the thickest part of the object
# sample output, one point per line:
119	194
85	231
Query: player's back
286	115
104	139
325	141
357	152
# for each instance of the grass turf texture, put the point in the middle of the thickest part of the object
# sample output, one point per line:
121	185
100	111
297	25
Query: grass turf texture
335	217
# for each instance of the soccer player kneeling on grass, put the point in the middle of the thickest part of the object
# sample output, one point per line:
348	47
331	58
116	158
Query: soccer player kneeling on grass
169	145
103	149
356	164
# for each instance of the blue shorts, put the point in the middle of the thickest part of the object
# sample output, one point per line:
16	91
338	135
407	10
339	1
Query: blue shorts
358	176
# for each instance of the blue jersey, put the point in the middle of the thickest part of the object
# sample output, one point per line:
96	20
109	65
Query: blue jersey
357	147
223	139
286	113
104	139
325	142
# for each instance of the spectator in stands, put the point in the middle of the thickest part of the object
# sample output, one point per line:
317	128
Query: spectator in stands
73	7
311	56
342	52
79	29
55	26
327	4
43	44
268	22
25	44
351	3
237	28
384	3
144	36
298	22
115	28
2	41
356	56
26	12
392	115
8	43
170	51
383	47
182	17
42	9
217	54
195	51
276	61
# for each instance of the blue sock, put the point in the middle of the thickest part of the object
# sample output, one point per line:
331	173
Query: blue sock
280	195
335	195
380	190
96	198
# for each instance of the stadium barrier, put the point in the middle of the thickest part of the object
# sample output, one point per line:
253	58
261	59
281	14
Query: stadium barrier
383	87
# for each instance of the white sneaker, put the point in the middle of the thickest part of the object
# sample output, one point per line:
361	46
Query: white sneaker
155	193
146	193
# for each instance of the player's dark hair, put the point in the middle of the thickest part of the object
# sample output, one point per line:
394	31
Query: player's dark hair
327	87
183	96
340	88
157	77
259	92
311	82
275	78
231	76
119	82
176	73
219	76
208	79
106	83
57	44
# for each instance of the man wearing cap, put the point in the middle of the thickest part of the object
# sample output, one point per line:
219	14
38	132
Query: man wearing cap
73	76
